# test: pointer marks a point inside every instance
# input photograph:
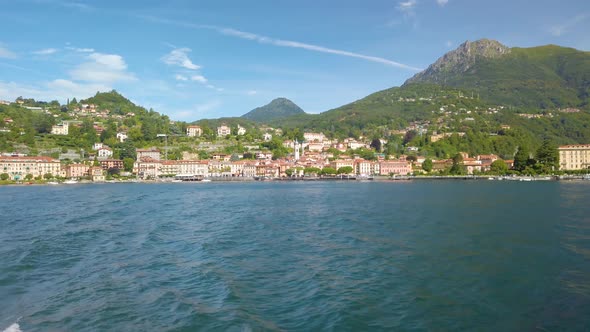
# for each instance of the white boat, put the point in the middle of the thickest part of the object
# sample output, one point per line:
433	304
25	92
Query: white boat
52	182
70	182
205	180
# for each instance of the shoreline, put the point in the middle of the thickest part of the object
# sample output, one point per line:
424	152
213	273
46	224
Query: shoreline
328	179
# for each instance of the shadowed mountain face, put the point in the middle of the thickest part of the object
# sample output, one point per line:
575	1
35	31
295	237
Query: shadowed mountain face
277	109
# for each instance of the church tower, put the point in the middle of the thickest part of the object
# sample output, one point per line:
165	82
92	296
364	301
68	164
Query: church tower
296	150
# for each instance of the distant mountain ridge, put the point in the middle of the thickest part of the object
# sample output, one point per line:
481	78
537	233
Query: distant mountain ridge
279	108
538	77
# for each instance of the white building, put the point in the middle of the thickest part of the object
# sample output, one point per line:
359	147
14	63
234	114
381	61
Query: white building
267	137
241	130
311	137
60	129
223	131
194	131
96	146
121	136
104	153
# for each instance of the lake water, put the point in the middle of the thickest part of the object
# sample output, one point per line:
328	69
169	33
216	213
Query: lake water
431	255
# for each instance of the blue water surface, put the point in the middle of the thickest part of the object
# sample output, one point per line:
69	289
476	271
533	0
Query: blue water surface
395	256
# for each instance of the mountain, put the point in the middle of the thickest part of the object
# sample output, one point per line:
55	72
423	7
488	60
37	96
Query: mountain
544	77
113	101
279	108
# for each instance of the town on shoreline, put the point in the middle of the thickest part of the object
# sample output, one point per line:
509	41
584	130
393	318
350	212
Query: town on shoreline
96	144
315	158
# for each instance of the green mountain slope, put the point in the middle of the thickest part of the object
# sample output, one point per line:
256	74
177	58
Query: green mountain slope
539	77
277	109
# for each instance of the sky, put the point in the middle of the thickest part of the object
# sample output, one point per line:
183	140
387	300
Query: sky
209	59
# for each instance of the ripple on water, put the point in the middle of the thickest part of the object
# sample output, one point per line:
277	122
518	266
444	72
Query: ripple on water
294	256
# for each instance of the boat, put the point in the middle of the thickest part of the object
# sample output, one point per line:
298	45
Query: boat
70	182
52	182
206	180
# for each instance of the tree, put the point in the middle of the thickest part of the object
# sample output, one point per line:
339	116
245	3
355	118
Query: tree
290	172
412	159
376	144
548	156
29	177
311	170
128	164
521	159
328	171
499	167
4	176
457	168
345	170
48	176
127	150
409	136
427	165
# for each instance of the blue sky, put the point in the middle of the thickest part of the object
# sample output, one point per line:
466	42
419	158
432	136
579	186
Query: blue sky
208	59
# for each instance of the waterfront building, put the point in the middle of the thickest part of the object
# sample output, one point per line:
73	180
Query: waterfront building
97	174
394	167
76	171
107	164
147	168
574	157
17	168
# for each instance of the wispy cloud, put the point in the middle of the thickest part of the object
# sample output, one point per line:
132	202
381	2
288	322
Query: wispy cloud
179	57
199	78
281	42
59	89
407	6
6	53
76	5
46	51
252	92
560	29
102	68
442	2
80	50
179	77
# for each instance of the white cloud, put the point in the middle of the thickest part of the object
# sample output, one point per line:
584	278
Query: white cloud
179	77
199	78
46	51
179	57
104	68
251	92
59	89
282	43
6	53
442	2
80	50
407	6
310	47
560	29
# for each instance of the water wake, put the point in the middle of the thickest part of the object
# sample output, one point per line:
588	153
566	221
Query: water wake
13	328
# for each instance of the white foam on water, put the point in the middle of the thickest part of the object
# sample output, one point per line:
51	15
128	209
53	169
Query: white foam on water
13	328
